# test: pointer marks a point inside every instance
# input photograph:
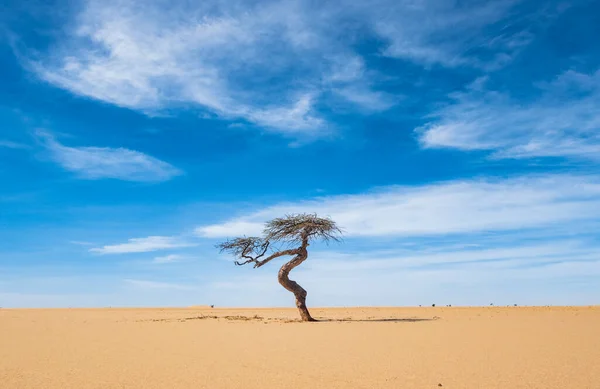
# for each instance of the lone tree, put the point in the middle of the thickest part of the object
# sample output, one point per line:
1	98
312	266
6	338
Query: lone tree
297	231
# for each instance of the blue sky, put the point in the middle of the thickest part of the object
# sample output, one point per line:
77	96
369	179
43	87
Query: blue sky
457	143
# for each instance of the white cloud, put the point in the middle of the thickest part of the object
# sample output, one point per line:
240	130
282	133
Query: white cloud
144	284
367	98
349	79
103	162
492	257
267	62
168	258
146	57
444	208
563	122
235	227
299	117
143	245
438	32
81	243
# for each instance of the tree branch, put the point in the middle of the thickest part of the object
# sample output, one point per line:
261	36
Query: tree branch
275	255
251	248
245	262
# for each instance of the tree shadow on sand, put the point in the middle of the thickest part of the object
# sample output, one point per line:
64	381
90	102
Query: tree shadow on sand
323	320
380	320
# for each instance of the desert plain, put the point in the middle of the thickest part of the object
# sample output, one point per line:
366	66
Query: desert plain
203	347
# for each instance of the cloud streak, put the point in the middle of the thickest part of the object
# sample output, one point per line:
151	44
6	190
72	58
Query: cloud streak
168	258
142	245
498	256
95	163
445	208
563	122
152	285
451	35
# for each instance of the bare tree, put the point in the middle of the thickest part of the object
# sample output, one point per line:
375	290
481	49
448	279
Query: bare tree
296	231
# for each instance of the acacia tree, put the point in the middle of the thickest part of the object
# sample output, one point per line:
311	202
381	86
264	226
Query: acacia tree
296	231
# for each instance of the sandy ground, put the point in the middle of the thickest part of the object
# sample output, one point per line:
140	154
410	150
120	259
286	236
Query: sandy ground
262	348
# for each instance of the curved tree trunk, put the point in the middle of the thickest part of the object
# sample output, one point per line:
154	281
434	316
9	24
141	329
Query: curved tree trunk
293	286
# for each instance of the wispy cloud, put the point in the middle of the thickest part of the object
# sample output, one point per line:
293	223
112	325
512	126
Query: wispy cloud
142	245
446	33
225	57
103	162
448	207
563	122
81	243
298	117
349	79
168	258
367	98
144	284
250	225
147	57
434	256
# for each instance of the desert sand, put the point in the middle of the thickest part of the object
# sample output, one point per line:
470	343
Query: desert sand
200	347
